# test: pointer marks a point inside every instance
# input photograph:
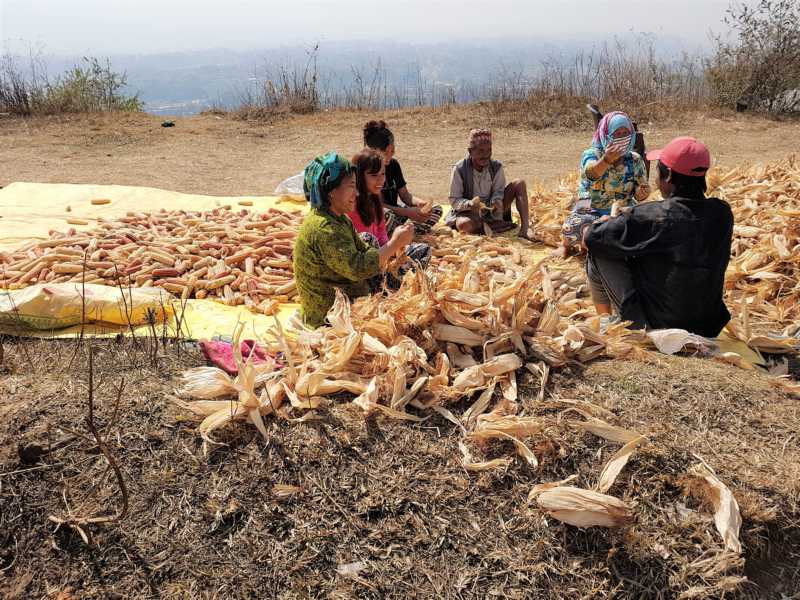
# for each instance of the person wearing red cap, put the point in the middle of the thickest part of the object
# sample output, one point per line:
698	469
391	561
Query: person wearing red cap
662	264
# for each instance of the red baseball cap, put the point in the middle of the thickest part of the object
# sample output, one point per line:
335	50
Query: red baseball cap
684	155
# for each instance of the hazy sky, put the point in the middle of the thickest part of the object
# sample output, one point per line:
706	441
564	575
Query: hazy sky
149	26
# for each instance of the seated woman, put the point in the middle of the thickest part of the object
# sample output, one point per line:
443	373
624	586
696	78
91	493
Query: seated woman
369	218
328	254
612	174
479	194
400	204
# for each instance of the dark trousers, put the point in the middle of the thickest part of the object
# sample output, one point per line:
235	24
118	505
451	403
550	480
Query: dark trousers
611	282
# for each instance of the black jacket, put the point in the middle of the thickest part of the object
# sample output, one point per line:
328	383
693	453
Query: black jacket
678	250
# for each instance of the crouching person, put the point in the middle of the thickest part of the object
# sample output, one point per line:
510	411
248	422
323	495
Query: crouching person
328	253
479	194
662	264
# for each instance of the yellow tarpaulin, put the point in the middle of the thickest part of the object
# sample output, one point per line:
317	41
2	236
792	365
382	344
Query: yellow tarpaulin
199	320
29	211
56	310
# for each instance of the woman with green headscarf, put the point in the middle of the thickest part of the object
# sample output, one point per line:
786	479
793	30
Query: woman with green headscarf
328	253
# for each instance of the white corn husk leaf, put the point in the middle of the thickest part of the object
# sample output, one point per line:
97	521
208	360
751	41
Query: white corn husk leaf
477	377
368	402
410	394
480	405
206	383
320	384
727	517
543	487
672	341
603	429
493	425
616	463
221	418
469	464
584	508
457	335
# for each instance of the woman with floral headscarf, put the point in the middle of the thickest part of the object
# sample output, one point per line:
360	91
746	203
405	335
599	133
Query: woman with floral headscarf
612	175
328	253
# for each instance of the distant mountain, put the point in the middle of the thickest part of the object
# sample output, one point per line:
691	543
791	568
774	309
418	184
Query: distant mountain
182	83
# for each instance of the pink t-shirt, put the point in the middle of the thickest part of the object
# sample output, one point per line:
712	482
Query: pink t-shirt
377	229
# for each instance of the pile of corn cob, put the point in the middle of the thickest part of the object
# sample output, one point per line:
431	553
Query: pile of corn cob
236	257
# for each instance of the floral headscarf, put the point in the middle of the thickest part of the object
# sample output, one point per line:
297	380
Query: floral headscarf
322	175
603	135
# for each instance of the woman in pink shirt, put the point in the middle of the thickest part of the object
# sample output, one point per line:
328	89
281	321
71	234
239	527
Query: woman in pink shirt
368	217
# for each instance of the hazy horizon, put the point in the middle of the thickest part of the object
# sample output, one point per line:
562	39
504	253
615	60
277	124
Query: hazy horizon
183	57
113	27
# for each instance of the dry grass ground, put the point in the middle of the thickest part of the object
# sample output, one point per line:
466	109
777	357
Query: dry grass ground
209	154
388	494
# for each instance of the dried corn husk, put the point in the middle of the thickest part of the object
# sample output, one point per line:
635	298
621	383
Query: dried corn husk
247	405
317	384
457	335
495	425
672	341
470	464
480	405
368	402
477	377
542	371
206	383
543	487
734	359
584	508
603	429
727	517
616	463
282	491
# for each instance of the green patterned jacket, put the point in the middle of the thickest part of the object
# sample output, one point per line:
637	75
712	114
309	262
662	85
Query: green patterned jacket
329	254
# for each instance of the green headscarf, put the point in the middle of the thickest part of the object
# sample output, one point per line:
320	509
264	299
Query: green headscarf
322	175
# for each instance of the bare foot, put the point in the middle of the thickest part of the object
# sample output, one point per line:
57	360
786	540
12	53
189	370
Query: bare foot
526	235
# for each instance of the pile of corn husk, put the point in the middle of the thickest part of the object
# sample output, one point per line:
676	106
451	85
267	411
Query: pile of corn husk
763	279
549	208
483	313
462	326
433	344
